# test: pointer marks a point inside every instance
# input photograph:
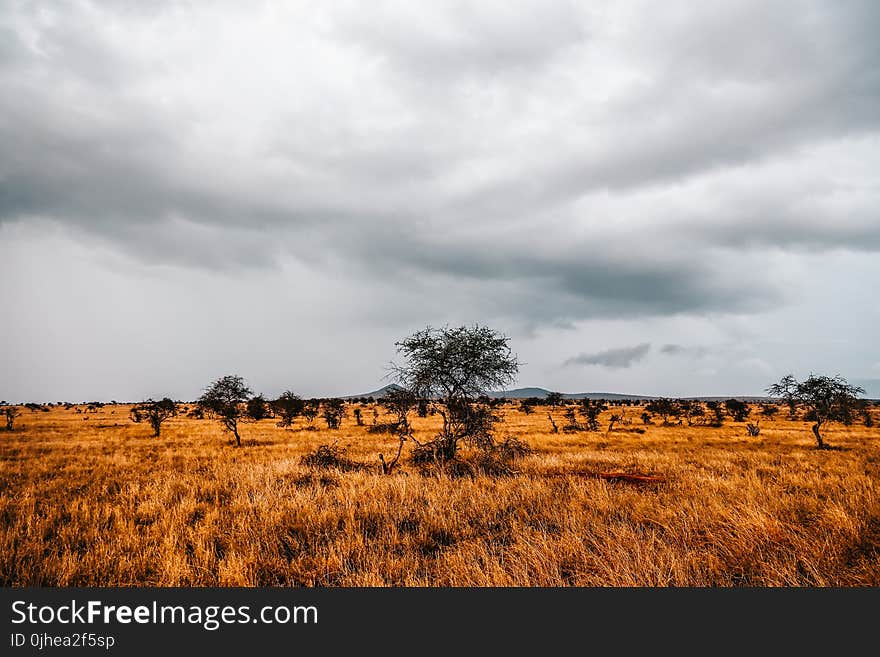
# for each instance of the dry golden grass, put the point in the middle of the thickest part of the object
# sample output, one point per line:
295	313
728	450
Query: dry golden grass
98	501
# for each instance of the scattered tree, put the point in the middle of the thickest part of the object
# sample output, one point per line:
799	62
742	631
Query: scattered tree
865	410
310	410
224	399
573	424
257	408
334	411
787	387
288	406
615	418
717	409
827	399
663	407
769	410
11	412
737	409
154	413
554	399
693	411
591	408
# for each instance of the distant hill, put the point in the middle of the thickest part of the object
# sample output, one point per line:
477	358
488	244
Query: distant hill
541	393
518	393
521	393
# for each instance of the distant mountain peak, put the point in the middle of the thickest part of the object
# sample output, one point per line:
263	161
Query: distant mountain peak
377	394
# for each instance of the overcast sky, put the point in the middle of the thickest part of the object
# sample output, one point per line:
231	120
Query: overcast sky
650	198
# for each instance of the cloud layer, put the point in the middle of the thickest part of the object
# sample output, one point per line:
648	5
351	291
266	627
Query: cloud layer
540	166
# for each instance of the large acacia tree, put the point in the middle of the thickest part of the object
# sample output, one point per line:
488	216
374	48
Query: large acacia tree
453	367
226	399
827	399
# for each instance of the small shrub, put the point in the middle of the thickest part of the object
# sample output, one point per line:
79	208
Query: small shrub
495	461
430	453
384	427
330	456
513	448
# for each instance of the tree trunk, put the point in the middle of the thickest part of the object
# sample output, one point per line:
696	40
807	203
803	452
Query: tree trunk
237	437
818	435
446	449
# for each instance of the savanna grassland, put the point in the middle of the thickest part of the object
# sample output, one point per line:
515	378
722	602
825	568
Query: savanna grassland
93	499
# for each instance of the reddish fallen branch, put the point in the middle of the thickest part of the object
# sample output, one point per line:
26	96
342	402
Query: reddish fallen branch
629	477
633	478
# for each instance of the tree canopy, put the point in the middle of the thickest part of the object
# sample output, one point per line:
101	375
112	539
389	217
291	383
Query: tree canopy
154	413
225	398
455	363
827	399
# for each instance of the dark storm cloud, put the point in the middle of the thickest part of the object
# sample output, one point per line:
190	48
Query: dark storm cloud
576	283
397	133
614	358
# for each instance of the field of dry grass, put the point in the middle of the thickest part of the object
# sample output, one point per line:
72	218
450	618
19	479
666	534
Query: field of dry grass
93	499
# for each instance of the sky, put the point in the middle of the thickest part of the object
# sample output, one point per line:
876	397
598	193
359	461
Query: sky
669	198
